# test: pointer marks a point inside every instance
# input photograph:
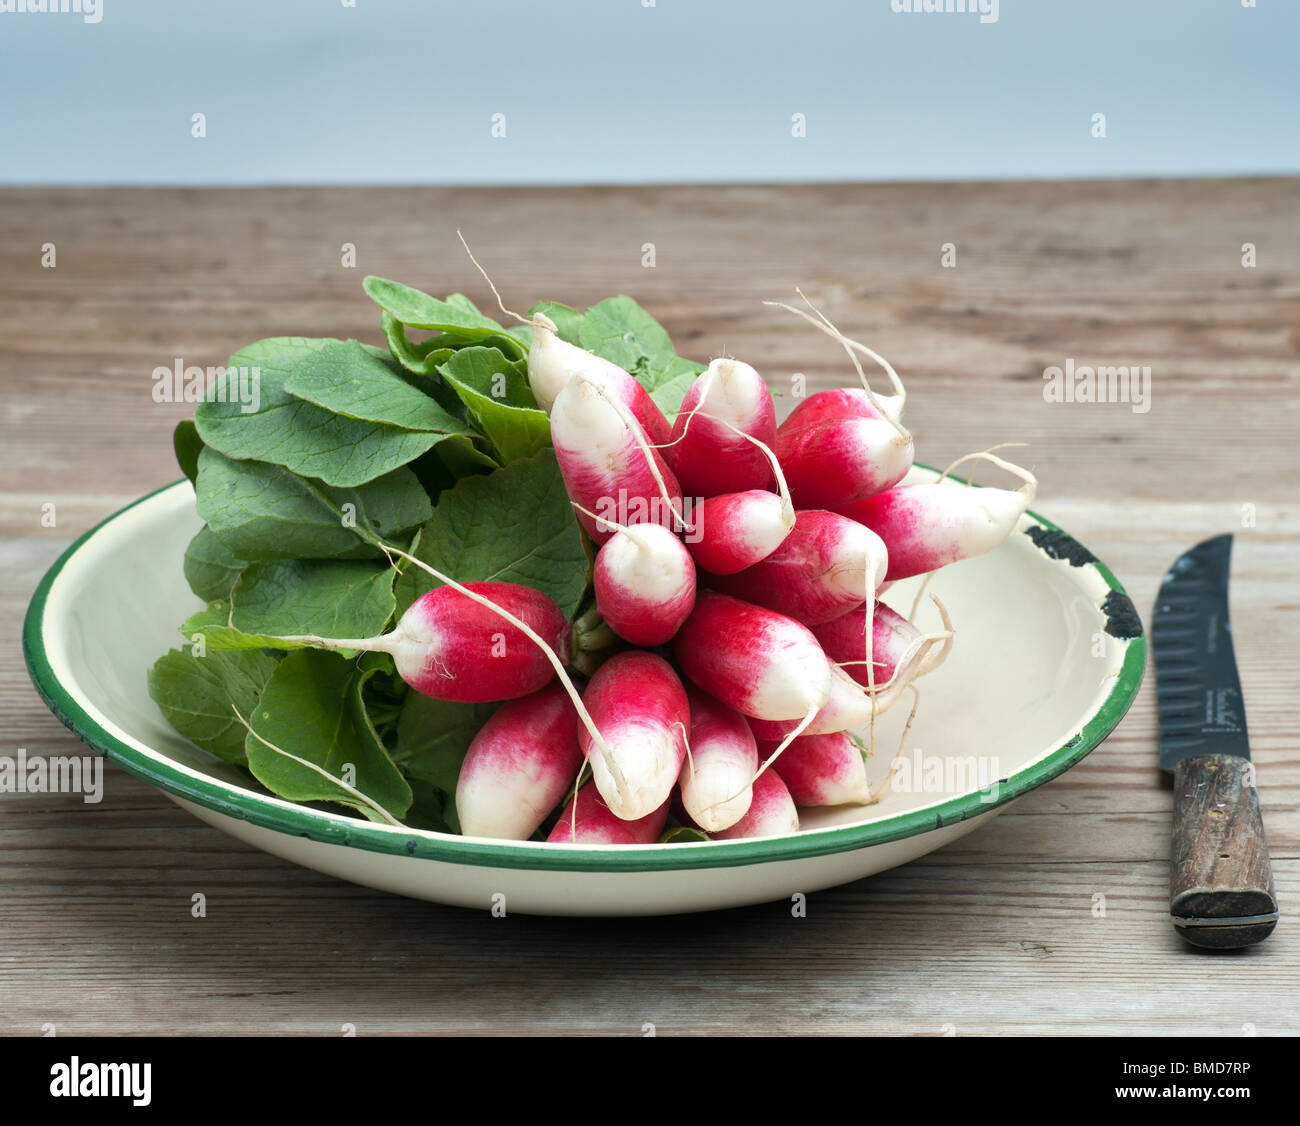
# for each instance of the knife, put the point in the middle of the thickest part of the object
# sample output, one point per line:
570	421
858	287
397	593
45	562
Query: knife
1220	880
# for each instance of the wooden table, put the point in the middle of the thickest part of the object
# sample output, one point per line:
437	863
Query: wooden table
995	934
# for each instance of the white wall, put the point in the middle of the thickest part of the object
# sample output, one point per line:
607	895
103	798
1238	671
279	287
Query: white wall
310	91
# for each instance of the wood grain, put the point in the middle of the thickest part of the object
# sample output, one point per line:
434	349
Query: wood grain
1220	878
1053	919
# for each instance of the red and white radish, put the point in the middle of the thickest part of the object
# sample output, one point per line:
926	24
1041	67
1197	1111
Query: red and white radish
823	770
840	402
927	526
519	766
771	813
588	820
847	708
883	406
416	647
834	462
608	465
715	780
645	583
639	706
900	651
826	566
736	530
761	663
552	364
708	450
452	644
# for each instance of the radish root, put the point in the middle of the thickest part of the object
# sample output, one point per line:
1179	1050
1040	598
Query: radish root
500	304
1030	487
893	412
364	799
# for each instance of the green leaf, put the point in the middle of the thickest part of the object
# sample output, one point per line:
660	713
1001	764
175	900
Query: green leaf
429	809
680	834
323	597
347	379
198	695
210	568
312	708
261	511
433	736
301	436
499	401
568	321
675	381
451	460
418	310
422	358
620	330
187	444
515	525
210	626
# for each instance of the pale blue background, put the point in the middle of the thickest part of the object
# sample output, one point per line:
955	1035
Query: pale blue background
396	91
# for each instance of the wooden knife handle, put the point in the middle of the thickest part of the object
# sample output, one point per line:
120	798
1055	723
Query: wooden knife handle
1220	880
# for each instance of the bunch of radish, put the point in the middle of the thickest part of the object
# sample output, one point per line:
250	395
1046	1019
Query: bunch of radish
740	565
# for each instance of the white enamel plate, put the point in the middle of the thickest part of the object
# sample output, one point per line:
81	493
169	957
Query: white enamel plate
1048	656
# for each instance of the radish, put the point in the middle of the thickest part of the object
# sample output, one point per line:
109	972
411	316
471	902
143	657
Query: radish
842	402
757	661
842	444
709	452
899	650
519	766
645	582
824	770
736	530
607	463
552	364
588	820
639	706
825	567
836	461
855	700
929	525
451	643
715	782
415	646
847	708
849	401
771	812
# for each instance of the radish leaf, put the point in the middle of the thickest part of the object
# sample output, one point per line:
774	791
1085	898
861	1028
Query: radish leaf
498	399
433	736
210	568
262	511
515	525
347	379
324	597
196	695
301	436
312	708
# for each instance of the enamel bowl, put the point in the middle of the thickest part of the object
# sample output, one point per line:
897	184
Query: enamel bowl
1048	657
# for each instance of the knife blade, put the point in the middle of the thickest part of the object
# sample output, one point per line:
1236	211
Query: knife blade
1221	882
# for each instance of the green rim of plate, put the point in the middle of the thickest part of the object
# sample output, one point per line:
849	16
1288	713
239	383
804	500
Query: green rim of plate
329	828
